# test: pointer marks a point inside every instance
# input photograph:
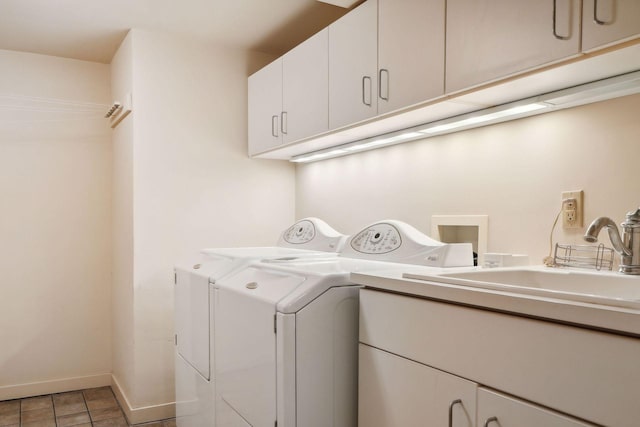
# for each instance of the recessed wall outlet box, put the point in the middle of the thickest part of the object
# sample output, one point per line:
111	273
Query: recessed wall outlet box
494	260
572	209
462	229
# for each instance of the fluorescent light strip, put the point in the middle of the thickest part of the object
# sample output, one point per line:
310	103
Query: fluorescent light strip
483	118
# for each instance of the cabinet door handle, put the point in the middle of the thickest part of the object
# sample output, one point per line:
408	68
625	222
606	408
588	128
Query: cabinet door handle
385	71
451	405
595	15
555	29
284	125
490	420
364	91
274	126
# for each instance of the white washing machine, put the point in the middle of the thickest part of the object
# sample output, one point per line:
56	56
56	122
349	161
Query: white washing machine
287	332
194	320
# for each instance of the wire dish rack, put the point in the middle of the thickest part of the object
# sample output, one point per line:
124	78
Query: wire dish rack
584	256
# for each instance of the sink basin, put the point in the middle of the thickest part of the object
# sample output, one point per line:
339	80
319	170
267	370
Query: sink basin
593	287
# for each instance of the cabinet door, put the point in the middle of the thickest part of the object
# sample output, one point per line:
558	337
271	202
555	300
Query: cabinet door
498	410
353	62
394	391
410	52
265	108
609	21
305	88
489	39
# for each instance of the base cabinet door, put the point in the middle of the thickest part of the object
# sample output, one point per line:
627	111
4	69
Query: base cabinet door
394	391
490	39
606	22
499	410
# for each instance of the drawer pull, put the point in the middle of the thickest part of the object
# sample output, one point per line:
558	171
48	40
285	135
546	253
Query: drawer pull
451	405
490	420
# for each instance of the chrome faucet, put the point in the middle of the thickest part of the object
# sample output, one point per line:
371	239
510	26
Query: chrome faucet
628	246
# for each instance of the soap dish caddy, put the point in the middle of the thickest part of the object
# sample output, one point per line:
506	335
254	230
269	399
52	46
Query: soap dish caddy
583	256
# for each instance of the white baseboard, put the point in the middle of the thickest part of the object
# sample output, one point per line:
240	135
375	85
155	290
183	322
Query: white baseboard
143	414
54	386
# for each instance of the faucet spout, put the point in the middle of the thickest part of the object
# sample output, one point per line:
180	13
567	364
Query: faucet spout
597	225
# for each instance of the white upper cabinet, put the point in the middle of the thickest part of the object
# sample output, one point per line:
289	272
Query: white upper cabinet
410	52
490	39
305	89
609	21
265	108
353	60
288	99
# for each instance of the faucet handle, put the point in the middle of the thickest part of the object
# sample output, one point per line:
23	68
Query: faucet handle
633	217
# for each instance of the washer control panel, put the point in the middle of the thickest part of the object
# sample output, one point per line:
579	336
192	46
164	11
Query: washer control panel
312	234
301	232
380	238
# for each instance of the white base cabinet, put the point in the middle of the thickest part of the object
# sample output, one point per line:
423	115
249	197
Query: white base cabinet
583	373
605	22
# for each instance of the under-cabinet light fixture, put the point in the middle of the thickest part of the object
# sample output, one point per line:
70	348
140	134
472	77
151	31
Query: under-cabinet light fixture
612	87
465	121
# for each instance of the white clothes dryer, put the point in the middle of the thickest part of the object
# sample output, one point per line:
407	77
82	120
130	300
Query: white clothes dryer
194	320
286	333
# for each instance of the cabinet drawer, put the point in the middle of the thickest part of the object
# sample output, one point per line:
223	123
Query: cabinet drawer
498	410
591	375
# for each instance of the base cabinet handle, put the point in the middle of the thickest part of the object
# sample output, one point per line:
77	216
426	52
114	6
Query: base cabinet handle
490	420
451	405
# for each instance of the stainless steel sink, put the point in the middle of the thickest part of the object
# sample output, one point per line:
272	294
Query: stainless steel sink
592	287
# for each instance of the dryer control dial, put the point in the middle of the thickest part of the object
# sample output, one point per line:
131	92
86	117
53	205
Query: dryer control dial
380	238
301	232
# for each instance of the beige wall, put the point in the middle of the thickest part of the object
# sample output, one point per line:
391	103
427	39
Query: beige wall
513	172
122	215
192	187
55	223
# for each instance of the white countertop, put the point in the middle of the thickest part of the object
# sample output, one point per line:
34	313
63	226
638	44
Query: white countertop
595	316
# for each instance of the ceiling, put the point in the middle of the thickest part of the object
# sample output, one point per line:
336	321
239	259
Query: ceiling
92	30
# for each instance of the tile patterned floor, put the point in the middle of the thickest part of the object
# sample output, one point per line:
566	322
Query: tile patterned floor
94	407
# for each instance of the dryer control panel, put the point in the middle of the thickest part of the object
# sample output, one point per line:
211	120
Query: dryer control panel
396	241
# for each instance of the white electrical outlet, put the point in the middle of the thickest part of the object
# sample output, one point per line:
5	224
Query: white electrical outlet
572	209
